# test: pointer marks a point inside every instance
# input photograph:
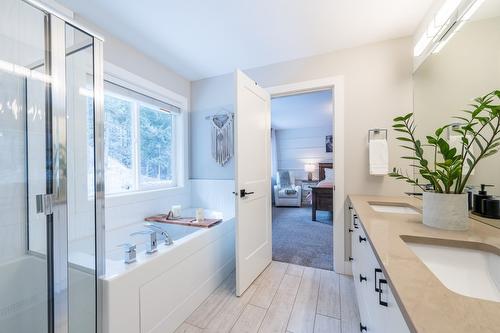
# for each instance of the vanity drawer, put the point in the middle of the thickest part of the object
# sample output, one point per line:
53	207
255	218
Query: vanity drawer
378	309
361	291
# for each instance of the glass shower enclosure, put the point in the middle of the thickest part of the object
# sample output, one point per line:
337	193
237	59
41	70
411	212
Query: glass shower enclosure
51	172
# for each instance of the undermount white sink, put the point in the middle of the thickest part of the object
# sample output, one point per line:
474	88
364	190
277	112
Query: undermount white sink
465	271
393	208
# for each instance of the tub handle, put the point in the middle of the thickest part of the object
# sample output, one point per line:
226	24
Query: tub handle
129	255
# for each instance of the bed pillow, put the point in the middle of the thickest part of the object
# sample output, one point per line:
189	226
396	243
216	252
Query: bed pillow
329	174
325	183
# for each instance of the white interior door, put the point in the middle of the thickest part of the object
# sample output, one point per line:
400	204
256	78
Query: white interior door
252	181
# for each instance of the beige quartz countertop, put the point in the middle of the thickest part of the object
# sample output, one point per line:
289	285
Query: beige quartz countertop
426	303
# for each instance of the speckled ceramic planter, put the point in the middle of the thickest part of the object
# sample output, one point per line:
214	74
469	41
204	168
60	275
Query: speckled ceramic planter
446	211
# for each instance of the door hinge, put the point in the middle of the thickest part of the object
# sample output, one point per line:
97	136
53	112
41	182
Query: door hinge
44	203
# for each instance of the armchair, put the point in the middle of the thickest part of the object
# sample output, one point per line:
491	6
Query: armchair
286	193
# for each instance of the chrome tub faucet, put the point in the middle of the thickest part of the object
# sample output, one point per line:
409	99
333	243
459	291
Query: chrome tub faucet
152	244
157	229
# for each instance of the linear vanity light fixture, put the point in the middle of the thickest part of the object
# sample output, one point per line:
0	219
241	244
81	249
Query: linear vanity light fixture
457	25
421	45
435	26
446	38
445	13
450	17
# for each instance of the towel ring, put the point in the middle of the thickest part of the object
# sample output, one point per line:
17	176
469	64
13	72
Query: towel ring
376	131
449	130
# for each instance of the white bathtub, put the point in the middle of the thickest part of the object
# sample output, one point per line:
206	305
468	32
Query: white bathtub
159	291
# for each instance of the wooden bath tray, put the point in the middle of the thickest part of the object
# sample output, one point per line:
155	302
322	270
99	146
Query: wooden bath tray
189	221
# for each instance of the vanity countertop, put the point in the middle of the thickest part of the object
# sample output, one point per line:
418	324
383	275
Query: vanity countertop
426	303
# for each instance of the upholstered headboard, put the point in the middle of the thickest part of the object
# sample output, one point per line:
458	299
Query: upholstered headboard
322	167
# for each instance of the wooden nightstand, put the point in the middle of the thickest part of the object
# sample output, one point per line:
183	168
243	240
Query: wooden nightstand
306	189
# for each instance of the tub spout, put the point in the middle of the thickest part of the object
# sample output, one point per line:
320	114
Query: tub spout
155	228
151	245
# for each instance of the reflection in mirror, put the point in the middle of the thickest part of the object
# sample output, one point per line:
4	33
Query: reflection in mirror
466	67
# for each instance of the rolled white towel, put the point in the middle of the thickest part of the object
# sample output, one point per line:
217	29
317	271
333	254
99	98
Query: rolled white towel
378	157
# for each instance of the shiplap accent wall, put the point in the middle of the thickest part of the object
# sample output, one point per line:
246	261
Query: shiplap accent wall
299	146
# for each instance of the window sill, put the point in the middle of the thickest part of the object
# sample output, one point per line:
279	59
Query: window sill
119	199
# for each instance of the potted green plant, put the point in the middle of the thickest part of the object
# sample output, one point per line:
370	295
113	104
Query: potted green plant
449	169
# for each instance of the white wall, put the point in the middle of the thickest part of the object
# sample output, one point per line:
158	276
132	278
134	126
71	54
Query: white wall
214	194
208	97
378	87
126	56
298	146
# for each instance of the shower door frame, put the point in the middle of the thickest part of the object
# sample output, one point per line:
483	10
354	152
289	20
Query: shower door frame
56	143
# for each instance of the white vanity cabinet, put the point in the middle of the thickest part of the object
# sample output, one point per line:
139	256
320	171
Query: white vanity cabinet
378	309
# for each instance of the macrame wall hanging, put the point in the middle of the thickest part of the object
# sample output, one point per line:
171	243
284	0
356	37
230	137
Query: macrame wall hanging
222	137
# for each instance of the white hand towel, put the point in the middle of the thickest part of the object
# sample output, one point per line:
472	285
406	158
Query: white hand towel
378	157
455	141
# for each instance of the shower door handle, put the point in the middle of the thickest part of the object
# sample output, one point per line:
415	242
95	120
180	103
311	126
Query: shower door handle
44	203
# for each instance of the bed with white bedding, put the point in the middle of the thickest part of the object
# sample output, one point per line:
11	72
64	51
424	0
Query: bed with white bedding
322	194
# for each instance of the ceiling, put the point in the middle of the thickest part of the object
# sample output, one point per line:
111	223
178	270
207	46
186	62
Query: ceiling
306	110
200	38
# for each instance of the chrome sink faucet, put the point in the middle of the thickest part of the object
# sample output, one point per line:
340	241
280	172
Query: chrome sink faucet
155	228
129	254
152	244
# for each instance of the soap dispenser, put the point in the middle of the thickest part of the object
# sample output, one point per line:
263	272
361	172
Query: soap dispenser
491	208
479	197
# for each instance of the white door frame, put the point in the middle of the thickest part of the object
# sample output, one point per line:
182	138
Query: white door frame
336	84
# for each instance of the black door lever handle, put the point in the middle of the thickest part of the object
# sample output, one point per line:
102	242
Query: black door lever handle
243	193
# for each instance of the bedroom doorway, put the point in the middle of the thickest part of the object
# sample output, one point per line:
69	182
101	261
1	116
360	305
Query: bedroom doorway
302	169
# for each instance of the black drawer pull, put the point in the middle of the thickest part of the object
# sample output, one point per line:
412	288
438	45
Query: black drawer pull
362	239
351	259
350	207
350	230
355	217
362	278
380	292
377	288
362	328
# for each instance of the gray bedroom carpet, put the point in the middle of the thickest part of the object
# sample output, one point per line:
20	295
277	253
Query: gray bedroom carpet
299	240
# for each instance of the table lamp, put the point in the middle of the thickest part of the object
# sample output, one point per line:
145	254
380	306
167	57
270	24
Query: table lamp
309	168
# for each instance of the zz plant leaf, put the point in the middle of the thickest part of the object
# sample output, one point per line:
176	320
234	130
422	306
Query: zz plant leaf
451	167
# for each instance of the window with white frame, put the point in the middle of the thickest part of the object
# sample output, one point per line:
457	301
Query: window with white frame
139	141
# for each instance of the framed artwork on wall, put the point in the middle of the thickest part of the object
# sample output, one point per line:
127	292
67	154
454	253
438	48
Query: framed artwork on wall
329	143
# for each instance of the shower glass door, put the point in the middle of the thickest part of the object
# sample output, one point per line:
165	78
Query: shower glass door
80	169
51	186
24	294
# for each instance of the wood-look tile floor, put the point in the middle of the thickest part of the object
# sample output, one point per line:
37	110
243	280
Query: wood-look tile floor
284	298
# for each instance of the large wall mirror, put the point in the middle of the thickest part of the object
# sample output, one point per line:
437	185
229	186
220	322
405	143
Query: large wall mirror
467	66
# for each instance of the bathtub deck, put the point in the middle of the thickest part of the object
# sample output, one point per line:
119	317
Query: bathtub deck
284	298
